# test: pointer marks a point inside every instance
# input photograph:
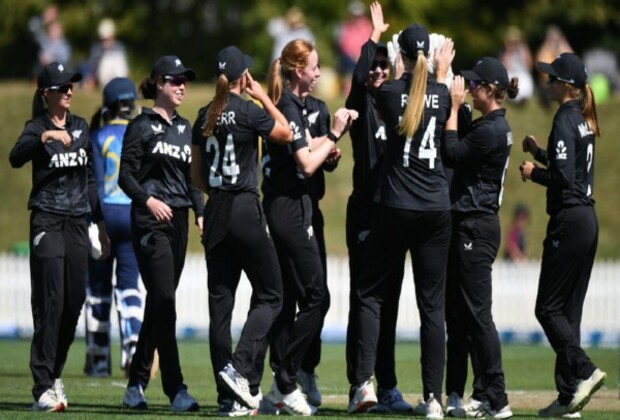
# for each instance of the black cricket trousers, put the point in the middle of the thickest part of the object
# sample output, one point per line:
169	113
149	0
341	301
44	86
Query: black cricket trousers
426	234
568	256
359	217
160	249
58	266
475	243
303	281
246	246
313	356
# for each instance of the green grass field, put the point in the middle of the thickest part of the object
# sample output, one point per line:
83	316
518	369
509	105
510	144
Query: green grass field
528	370
528	119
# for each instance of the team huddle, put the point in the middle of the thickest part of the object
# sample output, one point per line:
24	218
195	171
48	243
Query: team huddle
427	179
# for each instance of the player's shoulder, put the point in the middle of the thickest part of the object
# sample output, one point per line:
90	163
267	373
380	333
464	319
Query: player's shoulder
432	86
315	102
77	121
392	86
181	120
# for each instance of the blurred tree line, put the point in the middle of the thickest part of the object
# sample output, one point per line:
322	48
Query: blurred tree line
196	29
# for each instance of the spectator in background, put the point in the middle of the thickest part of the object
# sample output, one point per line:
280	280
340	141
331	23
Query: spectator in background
284	29
108	58
602	65
48	33
515	239
554	43
517	59
350	36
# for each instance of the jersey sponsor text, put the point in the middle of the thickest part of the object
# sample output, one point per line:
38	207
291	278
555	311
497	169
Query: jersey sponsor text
174	151
69	159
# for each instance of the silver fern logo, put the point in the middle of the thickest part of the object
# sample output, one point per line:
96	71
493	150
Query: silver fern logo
144	241
37	239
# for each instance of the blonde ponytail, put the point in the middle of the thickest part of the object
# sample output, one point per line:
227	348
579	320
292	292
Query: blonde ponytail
414	111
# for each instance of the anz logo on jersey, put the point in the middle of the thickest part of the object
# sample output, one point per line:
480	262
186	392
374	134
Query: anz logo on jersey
560	151
174	151
295	130
69	159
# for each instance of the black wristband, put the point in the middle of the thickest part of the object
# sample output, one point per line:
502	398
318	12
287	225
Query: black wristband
332	136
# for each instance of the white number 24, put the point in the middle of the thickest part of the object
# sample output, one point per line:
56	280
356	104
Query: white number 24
230	168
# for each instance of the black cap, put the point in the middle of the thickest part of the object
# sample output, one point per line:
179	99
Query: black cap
568	68
232	62
488	70
382	47
171	65
118	89
413	39
54	75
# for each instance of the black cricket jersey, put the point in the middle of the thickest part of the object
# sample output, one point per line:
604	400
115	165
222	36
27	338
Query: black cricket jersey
480	159
231	153
412	173
62	179
569	176
281	176
368	131
318	119
156	159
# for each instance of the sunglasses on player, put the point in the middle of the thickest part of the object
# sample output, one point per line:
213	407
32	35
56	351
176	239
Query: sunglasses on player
379	63
176	80
62	89
473	85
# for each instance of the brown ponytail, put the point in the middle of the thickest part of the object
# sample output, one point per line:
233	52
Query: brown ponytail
275	85
217	105
589	110
148	87
39	104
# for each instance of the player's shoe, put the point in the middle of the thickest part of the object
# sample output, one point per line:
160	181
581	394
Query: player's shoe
433	408
48	402
585	389
390	401
472	406
294	403
134	398
231	408
59	389
363	397
183	402
238	385
454	406
307	381
482	409
265	406
555	409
